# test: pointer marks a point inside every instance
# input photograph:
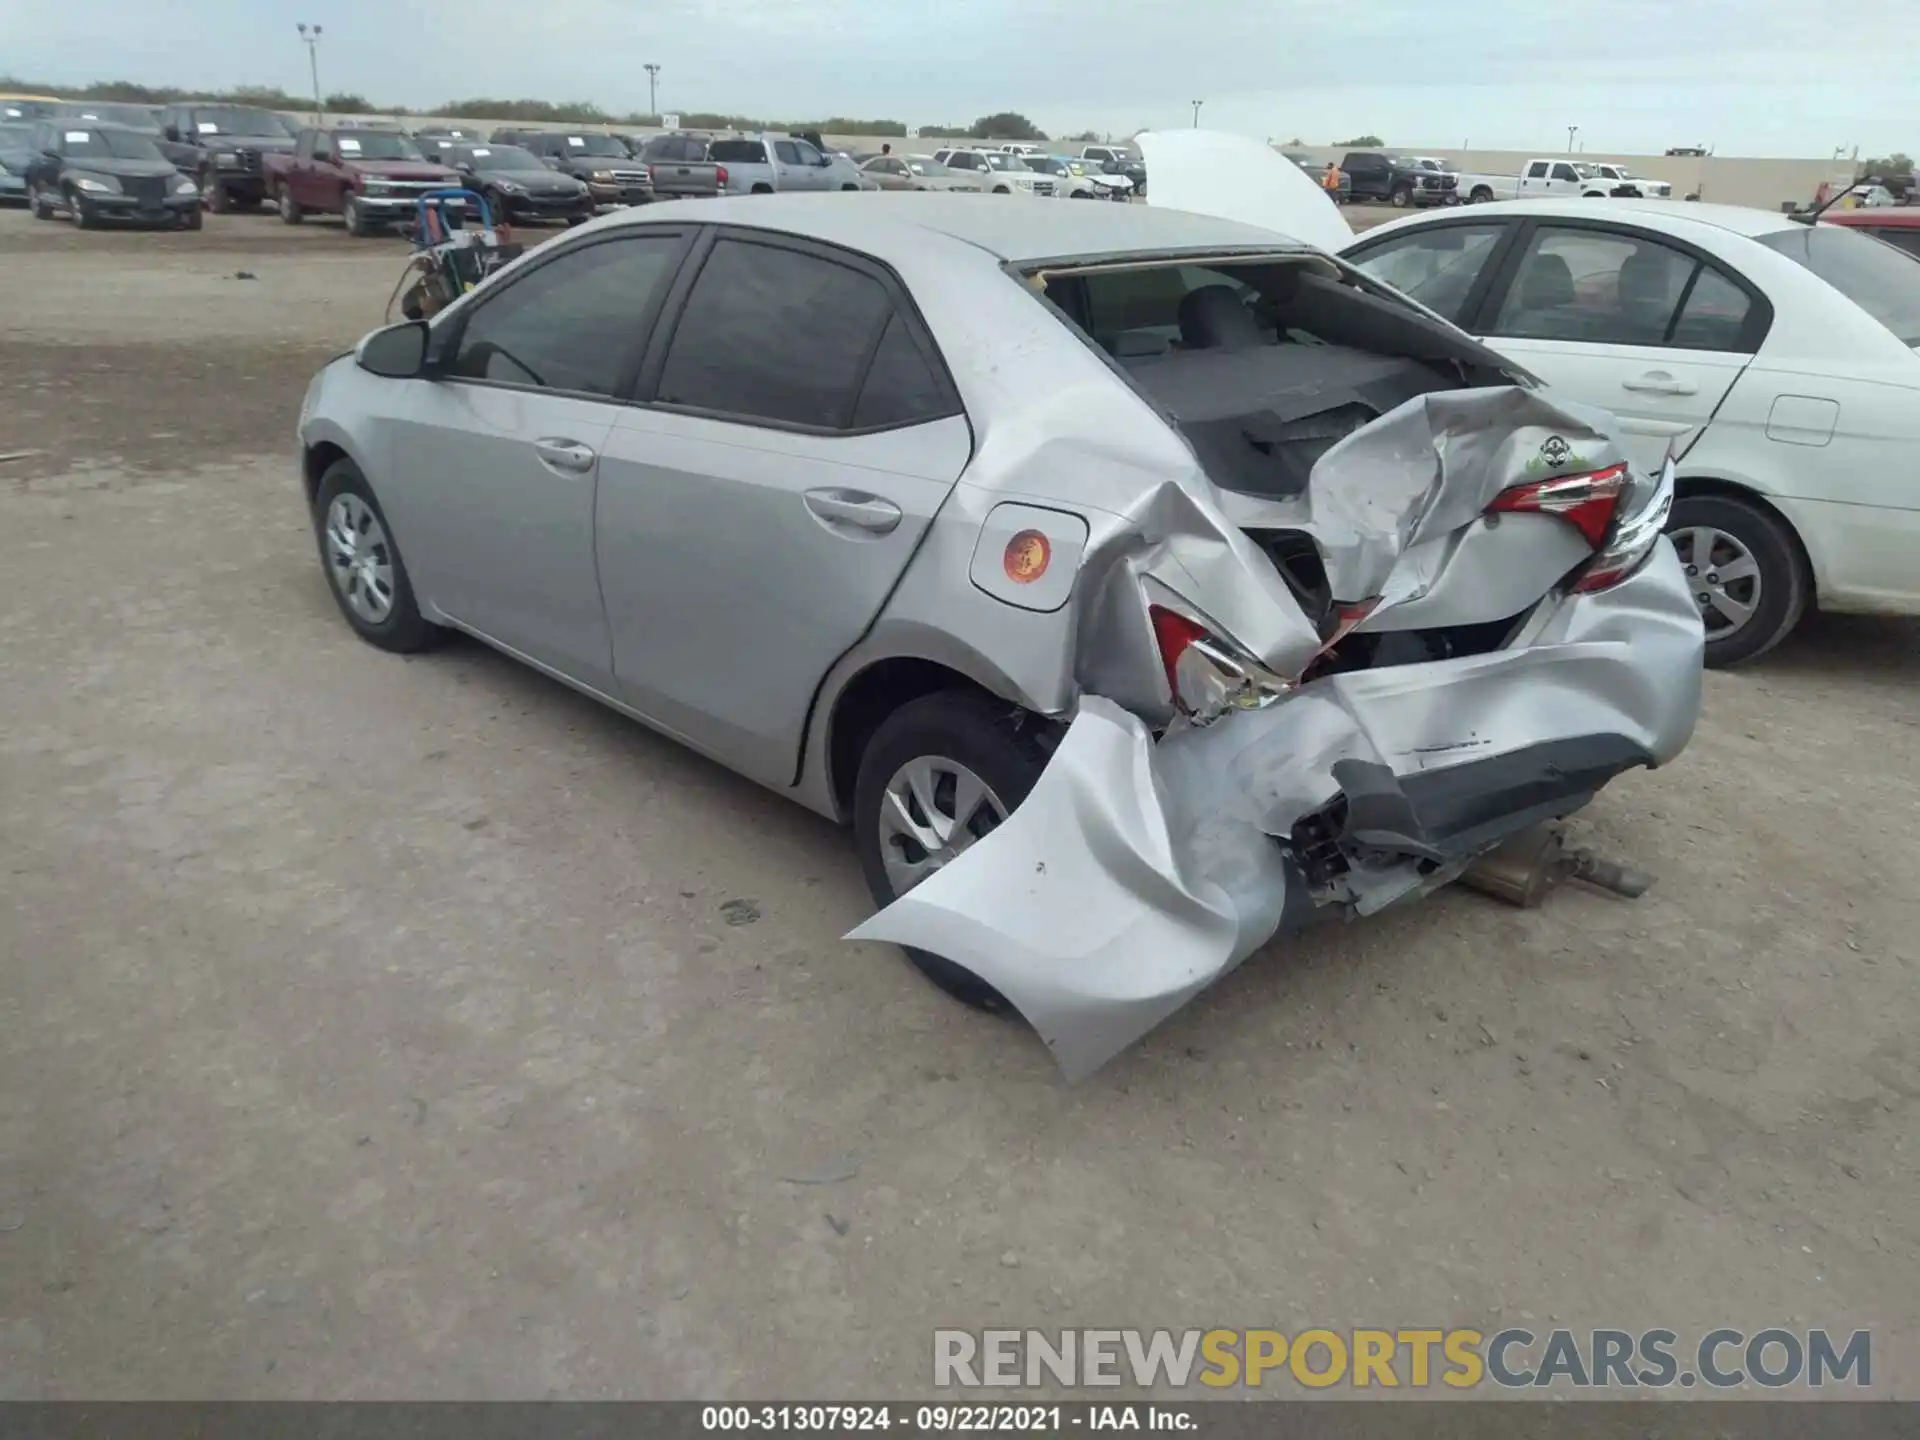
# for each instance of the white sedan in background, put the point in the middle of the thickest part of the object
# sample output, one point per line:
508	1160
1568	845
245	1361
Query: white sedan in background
1777	360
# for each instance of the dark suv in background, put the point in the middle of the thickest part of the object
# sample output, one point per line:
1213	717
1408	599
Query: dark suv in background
220	146
1397	180
600	162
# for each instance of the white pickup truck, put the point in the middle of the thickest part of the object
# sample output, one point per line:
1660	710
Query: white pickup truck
1554	177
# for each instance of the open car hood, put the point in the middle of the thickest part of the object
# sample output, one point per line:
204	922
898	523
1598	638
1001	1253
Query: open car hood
1210	172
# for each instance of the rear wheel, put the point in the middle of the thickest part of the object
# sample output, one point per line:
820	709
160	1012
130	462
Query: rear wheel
1480	196
1745	572
941	772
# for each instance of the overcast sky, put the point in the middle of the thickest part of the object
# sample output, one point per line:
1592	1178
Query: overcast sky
1756	77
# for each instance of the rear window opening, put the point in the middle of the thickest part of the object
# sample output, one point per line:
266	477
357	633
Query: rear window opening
1264	363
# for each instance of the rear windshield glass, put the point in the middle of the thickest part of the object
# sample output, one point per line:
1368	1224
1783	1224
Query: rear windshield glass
1881	280
737	152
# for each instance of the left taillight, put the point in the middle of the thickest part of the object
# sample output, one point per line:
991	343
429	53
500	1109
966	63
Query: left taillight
1587	502
720	176
1208	677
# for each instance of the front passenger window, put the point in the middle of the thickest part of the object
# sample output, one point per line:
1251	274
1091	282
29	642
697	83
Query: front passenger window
572	324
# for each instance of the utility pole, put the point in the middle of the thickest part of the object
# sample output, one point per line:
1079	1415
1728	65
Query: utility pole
1196	113
311	34
653	90
1572	130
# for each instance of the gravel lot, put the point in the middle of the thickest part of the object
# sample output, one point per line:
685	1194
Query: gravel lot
418	1029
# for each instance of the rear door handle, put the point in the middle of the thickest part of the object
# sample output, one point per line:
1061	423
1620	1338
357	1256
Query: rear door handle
569	455
855	508
1659	382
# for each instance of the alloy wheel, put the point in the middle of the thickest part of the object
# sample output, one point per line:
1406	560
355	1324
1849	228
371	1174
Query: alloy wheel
934	808
359	558
1723	576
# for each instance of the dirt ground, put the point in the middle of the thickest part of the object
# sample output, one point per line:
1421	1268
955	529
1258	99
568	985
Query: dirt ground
418	1029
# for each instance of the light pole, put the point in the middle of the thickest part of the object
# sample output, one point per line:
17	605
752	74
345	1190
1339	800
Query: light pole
311	34
653	90
1196	113
1572	130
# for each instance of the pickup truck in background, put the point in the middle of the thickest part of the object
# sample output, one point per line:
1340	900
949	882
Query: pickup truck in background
1547	177
680	167
1125	162
1620	174
763	164
369	178
224	147
1400	180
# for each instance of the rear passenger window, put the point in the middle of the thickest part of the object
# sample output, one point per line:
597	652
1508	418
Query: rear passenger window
773	334
1714	317
573	323
901	387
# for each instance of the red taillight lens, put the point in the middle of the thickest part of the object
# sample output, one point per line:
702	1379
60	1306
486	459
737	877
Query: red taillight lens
1173	632
720	175
1587	501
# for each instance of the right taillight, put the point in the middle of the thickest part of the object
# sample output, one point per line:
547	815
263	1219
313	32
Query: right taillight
1633	538
1587	502
720	176
1208	677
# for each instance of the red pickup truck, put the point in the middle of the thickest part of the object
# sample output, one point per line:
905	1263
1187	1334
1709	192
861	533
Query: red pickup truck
369	178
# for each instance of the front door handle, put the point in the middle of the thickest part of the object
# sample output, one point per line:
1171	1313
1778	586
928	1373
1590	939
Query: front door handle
1659	382
855	508
569	455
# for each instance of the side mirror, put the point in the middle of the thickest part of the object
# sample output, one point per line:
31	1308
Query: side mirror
398	352
552	162
172	132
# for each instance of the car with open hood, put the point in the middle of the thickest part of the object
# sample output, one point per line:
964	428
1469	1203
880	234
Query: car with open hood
224	148
1138	585
95	174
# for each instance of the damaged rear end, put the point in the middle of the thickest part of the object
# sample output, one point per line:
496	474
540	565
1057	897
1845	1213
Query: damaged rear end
1404	607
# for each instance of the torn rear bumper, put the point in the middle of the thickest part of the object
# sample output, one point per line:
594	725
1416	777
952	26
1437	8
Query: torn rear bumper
1137	873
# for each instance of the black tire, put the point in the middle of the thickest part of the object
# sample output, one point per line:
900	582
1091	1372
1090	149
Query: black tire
1001	190
573	220
762	190
849	187
217	198
84	218
38	203
190	219
354	218
1005	748
1785	585
404	629
1402	197
1481	195
290	211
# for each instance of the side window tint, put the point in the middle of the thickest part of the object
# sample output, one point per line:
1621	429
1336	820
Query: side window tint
571	324
1601	287
1437	267
901	387
1564	172
1537	170
1714	317
787	151
773	334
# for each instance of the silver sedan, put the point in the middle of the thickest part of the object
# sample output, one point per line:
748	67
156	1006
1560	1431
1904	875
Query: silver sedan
1136	585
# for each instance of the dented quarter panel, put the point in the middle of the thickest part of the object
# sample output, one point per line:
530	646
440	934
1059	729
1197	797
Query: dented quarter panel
1138	873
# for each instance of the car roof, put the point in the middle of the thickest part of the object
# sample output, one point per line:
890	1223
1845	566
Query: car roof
1018	231
1661	214
69	122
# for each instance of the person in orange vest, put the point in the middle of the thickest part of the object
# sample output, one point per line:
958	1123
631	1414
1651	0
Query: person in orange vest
1330	182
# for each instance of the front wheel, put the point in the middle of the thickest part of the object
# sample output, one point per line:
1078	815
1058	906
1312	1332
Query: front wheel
364	569
83	217
290	210
190	219
940	773
1402	198
218	200
1745	571
355	217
